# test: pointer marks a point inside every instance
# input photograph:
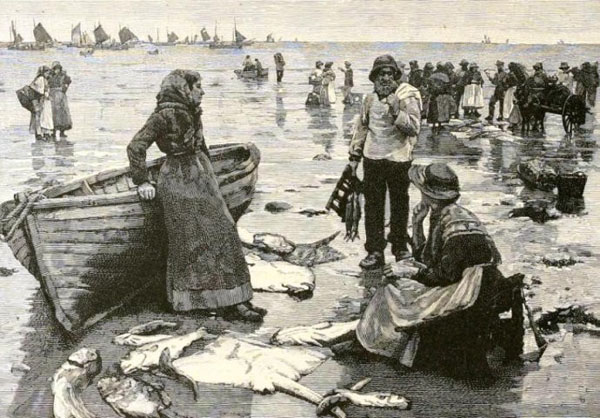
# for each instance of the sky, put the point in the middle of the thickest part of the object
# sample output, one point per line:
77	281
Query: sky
529	21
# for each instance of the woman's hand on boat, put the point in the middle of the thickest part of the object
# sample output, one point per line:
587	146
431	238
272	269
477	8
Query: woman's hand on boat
146	191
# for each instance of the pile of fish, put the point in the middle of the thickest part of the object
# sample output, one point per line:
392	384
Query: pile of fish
265	361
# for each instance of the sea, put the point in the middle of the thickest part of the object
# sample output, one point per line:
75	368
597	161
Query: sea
112	95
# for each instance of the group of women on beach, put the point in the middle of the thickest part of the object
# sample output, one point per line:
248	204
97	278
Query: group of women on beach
50	108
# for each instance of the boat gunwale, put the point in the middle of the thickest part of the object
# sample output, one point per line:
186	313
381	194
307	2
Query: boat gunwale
220	153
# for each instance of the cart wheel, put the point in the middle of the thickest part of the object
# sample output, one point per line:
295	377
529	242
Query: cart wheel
570	117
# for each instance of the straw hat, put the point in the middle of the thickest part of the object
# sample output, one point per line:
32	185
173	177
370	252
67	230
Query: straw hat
437	181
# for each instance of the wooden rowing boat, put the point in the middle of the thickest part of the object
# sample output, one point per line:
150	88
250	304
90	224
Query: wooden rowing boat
94	245
252	74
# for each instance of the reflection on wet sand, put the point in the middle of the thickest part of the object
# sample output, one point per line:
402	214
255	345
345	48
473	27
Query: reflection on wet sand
280	112
52	161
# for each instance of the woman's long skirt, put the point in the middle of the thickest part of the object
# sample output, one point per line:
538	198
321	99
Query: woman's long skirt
473	96
508	102
206	268
60	110
41	122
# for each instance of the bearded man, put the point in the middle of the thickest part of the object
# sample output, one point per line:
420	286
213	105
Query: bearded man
385	136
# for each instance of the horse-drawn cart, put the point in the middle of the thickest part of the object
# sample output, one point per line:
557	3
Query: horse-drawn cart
559	100
535	101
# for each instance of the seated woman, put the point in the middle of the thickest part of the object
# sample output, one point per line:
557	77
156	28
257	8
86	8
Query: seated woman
446	317
206	268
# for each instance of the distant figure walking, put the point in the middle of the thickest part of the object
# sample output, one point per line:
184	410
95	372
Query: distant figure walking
439	98
59	83
499	80
460	76
41	124
473	96
587	82
348	82
328	91
279	64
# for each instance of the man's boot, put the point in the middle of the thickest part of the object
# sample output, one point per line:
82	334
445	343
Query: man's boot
490	116
372	261
500	118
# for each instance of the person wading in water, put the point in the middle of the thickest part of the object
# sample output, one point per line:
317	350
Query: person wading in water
206	268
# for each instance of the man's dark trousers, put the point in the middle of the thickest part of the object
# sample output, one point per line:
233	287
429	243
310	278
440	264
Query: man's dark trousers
381	176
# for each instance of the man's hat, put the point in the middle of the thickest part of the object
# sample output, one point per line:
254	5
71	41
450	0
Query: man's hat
538	66
473	65
428	66
413	63
56	64
329	64
318	63
437	181
564	66
449	65
347	63
499	62
463	62
384	61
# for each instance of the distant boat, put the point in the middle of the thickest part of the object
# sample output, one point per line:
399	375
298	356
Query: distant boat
100	35
238	41
172	37
205	35
41	35
150	39
270	38
561	42
76	35
486	40
125	35
18	44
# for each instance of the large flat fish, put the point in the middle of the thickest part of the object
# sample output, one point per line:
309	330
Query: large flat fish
279	276
71	379
323	334
246	363
147	356
130	397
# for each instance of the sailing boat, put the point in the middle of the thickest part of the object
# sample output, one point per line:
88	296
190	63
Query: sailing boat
76	36
172	37
205	35
100	35
17	41
125	35
270	38
41	35
238	41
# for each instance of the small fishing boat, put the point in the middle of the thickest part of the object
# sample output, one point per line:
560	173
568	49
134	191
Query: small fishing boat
252	74
94	245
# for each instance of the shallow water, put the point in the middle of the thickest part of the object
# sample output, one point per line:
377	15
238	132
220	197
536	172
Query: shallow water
113	94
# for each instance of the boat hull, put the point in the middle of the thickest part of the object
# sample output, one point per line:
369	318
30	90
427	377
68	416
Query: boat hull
251	75
94	245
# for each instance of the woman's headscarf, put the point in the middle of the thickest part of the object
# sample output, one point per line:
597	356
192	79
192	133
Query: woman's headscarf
42	69
177	88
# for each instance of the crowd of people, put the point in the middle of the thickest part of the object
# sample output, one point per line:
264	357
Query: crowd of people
445	91
50	113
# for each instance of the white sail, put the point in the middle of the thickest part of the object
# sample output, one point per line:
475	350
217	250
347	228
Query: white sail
76	35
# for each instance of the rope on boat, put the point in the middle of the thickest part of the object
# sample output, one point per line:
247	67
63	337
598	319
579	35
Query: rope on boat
26	209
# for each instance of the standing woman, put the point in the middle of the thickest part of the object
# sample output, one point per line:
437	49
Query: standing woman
41	123
473	95
59	83
206	268
328	91
279	64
